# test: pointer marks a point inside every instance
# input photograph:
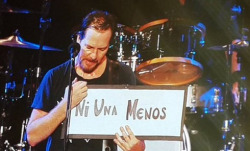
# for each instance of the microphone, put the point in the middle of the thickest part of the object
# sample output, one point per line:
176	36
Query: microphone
74	49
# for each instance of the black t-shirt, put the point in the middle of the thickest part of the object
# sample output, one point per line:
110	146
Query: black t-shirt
51	92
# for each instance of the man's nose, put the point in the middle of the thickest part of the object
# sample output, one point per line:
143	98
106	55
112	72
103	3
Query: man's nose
93	54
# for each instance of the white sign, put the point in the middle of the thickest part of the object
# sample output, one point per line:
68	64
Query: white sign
152	112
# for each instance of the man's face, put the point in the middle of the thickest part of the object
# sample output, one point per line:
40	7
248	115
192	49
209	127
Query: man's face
94	47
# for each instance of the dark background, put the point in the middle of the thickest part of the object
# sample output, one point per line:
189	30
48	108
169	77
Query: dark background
66	16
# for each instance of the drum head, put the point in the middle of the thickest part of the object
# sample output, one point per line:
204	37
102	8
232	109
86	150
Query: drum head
169	71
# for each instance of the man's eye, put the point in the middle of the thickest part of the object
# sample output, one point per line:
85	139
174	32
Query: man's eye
102	49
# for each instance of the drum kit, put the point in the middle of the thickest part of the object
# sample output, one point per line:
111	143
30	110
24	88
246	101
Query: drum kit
149	61
161	53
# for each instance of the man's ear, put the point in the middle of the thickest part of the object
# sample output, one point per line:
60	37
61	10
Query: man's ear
78	39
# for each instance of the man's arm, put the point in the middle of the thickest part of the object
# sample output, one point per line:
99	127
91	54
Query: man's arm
42	124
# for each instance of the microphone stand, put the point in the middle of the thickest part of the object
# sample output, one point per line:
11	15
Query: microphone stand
44	25
74	47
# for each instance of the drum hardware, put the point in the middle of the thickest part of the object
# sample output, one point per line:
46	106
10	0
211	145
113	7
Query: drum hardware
239	137
192	90
155	27
204	99
158	46
23	142
196	36
120	38
159	25
124	36
215	105
217	100
230	108
239	45
227	106
135	50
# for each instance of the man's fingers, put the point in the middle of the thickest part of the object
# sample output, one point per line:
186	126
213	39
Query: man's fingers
124	134
120	142
130	133
75	80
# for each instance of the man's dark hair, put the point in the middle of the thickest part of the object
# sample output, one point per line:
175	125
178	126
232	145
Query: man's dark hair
99	20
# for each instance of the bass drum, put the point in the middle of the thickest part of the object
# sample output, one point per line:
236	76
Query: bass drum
156	145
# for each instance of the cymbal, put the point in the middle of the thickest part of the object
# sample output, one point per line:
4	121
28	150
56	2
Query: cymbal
17	42
218	48
237	45
153	24
8	9
172	71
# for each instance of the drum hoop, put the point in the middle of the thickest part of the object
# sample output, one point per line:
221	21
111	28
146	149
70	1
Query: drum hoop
130	30
153	23
169	59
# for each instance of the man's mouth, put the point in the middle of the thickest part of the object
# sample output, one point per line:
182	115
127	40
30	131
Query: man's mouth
88	62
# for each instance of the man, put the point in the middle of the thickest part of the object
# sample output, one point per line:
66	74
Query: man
92	67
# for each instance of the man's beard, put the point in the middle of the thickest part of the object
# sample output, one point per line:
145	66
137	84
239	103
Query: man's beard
87	69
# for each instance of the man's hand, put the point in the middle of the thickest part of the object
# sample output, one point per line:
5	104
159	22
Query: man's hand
78	92
129	142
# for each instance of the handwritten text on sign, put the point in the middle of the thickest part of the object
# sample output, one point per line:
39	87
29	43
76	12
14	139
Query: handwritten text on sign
149	113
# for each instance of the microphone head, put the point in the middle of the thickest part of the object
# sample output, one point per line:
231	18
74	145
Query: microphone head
74	48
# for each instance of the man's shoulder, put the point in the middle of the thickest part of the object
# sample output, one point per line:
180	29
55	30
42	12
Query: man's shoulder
61	69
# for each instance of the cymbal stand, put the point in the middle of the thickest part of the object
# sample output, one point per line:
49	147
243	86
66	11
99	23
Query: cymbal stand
227	105
240	109
240	137
22	143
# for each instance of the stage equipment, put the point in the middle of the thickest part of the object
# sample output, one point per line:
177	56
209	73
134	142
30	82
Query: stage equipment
17	41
